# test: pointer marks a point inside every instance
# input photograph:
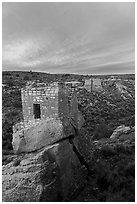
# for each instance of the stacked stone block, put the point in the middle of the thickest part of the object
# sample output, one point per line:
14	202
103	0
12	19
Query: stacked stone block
46	96
93	84
88	85
59	117
73	87
54	100
96	84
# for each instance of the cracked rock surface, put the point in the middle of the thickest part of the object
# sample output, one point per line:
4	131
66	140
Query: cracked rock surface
49	174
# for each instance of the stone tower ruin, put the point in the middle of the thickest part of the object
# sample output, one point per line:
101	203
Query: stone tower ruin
40	101
93	84
50	113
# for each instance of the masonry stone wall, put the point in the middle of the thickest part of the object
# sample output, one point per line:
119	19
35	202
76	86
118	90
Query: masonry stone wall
73	87
54	100
59	118
96	84
46	96
88	84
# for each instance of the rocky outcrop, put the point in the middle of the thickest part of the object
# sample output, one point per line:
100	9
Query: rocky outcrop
120	130
32	138
39	133
49	174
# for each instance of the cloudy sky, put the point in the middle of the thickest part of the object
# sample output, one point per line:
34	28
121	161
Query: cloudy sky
84	38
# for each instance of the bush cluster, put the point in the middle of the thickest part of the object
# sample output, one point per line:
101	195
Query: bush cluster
114	174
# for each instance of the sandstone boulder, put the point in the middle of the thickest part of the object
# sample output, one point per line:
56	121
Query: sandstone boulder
49	174
120	130
41	134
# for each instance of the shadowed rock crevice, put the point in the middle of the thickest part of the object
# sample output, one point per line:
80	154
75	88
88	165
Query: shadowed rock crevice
79	155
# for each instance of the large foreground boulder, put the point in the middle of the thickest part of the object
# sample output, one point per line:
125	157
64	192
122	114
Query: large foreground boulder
49	174
42	133
39	133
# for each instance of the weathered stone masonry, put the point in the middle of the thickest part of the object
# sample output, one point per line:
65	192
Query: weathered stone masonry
47	110
45	96
93	84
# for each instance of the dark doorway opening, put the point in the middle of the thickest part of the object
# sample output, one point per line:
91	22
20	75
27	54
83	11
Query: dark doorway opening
36	111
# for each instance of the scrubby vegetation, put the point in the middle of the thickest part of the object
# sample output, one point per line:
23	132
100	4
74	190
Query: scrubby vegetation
112	171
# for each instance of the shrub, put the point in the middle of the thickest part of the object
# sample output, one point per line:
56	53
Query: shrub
11	114
17	104
130	169
107	151
10	83
116	197
7	73
16	162
26	78
102	131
